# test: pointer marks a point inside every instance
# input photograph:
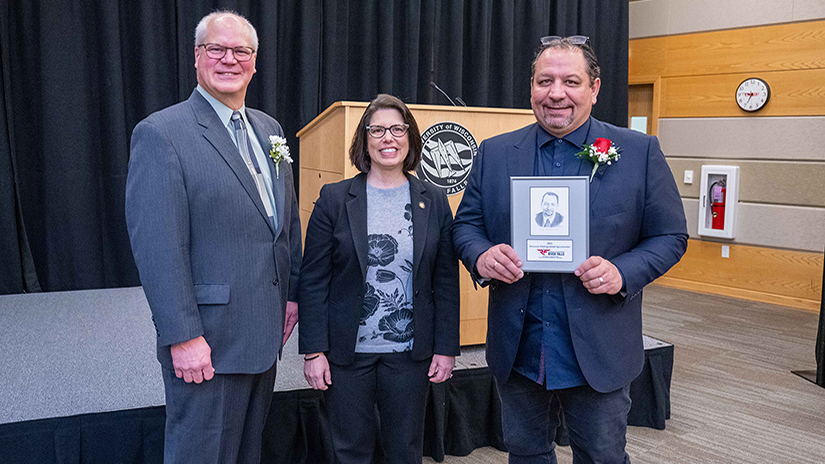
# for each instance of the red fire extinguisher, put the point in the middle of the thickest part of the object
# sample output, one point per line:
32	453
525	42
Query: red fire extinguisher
717	205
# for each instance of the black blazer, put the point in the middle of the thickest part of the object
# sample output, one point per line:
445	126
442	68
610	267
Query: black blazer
333	273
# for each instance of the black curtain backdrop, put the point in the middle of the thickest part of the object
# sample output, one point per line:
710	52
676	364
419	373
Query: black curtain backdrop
77	76
17	272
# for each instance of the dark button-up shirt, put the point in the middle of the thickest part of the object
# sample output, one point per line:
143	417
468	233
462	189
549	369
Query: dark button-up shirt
545	353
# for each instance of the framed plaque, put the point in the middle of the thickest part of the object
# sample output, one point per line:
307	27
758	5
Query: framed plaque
550	221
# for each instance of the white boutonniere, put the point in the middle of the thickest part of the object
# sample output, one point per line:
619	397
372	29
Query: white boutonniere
602	151
278	151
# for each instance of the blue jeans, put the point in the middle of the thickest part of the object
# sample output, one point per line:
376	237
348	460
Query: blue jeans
596	422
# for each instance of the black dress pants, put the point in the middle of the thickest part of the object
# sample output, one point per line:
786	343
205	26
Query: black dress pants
398	386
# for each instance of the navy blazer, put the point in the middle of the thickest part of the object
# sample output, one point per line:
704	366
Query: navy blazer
637	221
331	289
210	261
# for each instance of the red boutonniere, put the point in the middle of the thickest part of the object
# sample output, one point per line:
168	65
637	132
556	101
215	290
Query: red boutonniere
602	151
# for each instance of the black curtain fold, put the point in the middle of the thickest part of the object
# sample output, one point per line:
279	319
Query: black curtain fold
18	273
80	75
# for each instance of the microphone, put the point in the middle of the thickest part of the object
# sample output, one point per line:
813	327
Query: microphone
432	84
458	99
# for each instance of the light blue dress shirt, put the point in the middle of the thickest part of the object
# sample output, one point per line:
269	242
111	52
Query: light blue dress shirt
225	115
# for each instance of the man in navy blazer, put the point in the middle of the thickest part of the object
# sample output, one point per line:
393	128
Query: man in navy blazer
215	233
569	342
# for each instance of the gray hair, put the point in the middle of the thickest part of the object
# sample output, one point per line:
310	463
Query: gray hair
200	30
593	68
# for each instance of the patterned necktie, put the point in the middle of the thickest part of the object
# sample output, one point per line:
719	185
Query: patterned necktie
245	148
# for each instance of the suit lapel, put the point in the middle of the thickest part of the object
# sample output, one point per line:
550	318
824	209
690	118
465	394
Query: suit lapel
357	215
278	186
217	135
521	161
421	205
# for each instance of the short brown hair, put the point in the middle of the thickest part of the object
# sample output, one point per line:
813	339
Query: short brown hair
358	154
593	68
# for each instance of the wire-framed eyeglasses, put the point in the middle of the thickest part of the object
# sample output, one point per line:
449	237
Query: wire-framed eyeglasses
397	130
217	51
573	39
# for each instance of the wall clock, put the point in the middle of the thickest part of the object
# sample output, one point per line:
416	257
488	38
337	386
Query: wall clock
753	94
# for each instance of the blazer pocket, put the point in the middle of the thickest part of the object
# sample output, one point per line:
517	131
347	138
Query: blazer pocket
609	210
212	294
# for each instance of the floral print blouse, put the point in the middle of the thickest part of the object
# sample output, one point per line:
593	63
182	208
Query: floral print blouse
386	323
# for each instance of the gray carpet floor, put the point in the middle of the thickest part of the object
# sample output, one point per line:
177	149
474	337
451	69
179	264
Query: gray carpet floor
733	396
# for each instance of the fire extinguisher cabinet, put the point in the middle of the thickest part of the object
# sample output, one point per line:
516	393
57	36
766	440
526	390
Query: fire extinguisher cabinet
718	201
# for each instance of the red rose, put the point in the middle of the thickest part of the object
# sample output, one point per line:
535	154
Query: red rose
602	144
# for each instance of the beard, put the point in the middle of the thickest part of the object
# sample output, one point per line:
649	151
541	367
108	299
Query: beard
558	123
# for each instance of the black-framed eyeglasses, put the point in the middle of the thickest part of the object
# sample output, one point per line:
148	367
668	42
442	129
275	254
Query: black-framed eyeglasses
573	39
217	51
397	130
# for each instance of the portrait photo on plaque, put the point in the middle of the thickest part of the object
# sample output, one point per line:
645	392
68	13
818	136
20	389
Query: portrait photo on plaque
549	207
550	221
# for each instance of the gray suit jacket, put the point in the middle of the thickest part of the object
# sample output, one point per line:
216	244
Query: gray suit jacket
210	261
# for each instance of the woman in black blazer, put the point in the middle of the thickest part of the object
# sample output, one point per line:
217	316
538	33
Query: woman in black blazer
378	294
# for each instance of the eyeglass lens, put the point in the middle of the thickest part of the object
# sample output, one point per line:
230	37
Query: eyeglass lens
573	39
397	130
217	51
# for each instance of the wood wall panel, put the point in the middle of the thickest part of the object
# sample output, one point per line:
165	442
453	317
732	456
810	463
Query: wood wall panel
793	93
790	278
752	50
779	149
647	59
640	103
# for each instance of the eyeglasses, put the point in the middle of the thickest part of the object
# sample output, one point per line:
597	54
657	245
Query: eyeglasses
573	39
397	130
217	51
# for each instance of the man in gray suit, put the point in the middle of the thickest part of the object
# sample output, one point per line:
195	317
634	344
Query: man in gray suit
215	232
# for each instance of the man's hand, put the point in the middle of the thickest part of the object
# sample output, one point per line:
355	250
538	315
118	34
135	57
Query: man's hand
193	360
500	262
316	371
290	320
599	276
441	368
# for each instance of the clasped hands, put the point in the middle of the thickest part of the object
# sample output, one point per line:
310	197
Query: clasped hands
598	275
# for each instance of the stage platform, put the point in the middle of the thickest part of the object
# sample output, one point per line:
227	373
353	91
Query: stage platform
80	383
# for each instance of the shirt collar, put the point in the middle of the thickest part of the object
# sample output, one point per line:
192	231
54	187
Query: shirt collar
224	112
577	137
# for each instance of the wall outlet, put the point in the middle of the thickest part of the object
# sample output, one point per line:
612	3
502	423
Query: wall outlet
688	177
725	251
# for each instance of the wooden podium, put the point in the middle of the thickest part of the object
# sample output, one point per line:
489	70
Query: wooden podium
324	151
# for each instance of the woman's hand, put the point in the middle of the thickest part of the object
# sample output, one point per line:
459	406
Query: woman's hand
316	371
441	368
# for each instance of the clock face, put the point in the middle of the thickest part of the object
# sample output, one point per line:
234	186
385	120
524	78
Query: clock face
753	94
